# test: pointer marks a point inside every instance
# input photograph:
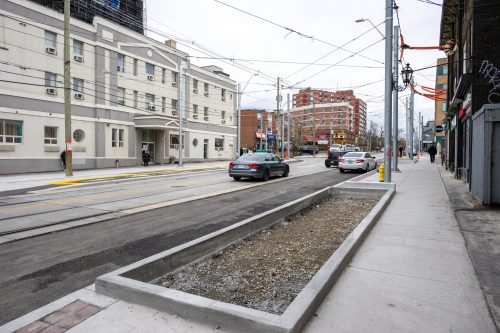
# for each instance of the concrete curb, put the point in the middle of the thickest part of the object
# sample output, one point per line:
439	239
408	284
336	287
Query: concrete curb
130	283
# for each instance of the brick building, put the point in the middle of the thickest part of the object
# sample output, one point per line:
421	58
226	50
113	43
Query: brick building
251	132
440	106
338	114
470	36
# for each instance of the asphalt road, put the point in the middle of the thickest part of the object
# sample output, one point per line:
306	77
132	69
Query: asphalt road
39	270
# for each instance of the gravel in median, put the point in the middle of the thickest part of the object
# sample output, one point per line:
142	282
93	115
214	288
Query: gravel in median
267	270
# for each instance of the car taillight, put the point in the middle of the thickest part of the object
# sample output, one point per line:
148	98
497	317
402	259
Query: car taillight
359	161
341	160
252	165
231	164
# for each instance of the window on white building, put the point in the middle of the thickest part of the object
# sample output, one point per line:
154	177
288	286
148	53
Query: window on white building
163	104
223	94
205	87
11	131
136	99
195	85
175	76
114	137
174	104
205	113
121	135
50	135
50	79
77	48
78	85
150	69
50	40
219	144
195	111
120	63
136	66
174	141
120	96
163	75
150	101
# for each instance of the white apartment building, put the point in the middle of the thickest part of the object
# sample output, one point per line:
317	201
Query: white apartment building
126	93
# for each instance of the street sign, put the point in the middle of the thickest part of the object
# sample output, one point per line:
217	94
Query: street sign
271	137
439	128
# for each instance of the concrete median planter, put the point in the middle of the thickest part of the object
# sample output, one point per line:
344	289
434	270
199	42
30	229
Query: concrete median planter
131	283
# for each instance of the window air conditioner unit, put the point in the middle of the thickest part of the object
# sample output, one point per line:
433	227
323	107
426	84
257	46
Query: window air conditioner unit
195	91
223	98
223	121
150	77
78	58
174	113
206	94
79	96
174	84
206	117
120	68
120	102
51	91
151	107
50	50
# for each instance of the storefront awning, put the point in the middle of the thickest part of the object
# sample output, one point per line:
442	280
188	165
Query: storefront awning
260	135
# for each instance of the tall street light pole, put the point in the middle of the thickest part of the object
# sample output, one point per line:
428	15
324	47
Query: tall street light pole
395	100
67	93
388	91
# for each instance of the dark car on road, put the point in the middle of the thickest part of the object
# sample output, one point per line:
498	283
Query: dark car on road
333	158
258	165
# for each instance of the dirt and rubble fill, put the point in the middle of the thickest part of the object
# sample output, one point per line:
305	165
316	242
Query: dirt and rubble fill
267	270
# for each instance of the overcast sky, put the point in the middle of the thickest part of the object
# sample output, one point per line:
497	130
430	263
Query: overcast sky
278	52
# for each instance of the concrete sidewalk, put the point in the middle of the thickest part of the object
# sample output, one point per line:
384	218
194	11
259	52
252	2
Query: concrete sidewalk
411	274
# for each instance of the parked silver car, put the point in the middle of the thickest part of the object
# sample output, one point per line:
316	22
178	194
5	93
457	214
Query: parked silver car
362	161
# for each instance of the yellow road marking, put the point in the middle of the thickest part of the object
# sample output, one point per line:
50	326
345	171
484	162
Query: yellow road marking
137	174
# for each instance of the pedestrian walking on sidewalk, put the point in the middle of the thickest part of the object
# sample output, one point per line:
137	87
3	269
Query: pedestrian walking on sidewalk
147	157
144	157
63	159
400	151
432	152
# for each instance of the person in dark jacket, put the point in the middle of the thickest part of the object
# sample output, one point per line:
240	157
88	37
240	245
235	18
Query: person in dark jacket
147	158
144	157
432	152
63	159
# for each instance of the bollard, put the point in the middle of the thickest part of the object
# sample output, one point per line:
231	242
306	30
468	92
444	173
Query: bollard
381	173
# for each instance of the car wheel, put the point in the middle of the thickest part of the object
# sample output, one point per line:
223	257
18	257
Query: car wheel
327	165
367	168
236	178
266	175
341	170
287	170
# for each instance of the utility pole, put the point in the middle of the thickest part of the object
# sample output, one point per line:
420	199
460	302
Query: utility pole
410	121
388	90
260	140
406	125
288	124
238	110
313	123
331	127
278	101
395	108
421	130
181	109
67	93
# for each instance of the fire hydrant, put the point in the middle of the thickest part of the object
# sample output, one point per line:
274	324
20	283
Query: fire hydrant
381	173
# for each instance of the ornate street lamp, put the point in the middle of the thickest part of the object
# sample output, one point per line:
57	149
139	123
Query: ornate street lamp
407	75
